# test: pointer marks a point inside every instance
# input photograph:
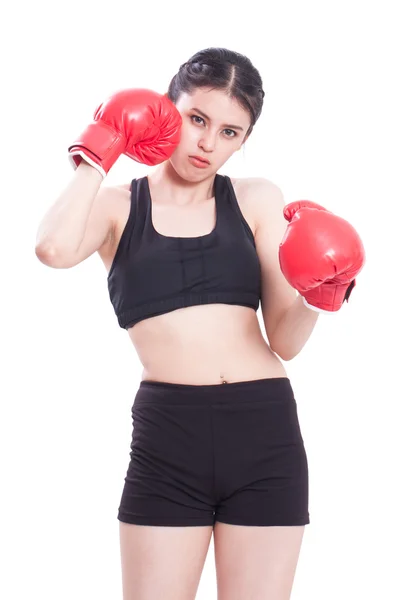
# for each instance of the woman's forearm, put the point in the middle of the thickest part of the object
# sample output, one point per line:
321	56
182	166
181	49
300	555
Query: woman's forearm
293	330
63	226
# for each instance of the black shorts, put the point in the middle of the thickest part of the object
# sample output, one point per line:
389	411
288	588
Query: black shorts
230	452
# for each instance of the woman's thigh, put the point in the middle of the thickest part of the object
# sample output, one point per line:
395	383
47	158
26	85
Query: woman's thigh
162	562
254	563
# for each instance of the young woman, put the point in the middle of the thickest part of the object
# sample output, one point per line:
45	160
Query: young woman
216	443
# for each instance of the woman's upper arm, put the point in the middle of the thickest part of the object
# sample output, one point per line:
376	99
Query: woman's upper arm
277	295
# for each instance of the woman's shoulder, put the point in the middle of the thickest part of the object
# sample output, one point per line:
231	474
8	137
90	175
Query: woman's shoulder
251	188
255	195
251	182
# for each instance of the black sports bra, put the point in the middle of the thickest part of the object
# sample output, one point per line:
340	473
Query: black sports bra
153	274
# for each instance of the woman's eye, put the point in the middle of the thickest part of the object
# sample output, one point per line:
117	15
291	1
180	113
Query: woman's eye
201	119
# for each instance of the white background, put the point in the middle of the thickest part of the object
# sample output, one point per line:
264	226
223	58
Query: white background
329	132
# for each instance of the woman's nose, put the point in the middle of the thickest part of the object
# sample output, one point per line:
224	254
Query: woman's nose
207	142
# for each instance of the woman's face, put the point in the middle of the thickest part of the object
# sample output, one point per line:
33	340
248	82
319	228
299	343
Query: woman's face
213	126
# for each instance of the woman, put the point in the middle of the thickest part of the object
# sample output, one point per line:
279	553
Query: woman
216	445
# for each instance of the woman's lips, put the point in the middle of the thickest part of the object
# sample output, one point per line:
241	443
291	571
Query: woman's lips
198	163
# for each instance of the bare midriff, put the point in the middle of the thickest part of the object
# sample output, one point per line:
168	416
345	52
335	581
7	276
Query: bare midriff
204	344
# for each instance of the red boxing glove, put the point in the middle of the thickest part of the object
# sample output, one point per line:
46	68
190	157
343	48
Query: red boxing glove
140	123
320	255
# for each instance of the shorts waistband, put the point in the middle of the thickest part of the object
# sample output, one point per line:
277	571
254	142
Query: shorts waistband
181	393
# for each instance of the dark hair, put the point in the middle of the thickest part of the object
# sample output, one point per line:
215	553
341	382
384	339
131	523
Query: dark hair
225	70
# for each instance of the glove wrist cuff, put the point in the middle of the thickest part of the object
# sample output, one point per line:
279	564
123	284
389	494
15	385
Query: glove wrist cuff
100	145
316	309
